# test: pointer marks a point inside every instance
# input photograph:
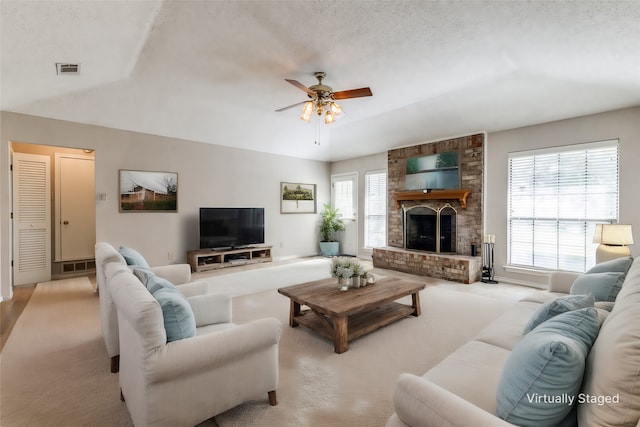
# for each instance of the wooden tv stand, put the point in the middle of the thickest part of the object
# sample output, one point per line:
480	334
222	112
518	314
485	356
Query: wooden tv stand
211	259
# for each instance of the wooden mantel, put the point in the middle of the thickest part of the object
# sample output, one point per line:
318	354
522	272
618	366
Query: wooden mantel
460	195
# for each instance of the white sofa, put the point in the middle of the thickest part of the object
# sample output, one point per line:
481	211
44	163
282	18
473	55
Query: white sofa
187	381
178	274
461	390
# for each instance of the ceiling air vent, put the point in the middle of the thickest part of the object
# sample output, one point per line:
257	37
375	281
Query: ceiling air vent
64	68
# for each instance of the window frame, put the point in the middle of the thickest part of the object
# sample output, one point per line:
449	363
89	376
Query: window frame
566	253
367	207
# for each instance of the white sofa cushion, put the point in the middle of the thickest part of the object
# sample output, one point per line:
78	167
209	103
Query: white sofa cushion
506	330
472	372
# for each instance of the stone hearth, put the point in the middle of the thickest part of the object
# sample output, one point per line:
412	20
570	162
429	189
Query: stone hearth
457	268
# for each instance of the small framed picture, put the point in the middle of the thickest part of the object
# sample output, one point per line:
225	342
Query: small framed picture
297	198
142	191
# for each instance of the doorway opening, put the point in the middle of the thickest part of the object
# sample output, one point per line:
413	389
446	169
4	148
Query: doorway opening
53	204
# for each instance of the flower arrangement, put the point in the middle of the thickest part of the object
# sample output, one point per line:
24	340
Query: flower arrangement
349	268
345	267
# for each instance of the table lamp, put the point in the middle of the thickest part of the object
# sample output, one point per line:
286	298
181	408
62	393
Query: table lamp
613	239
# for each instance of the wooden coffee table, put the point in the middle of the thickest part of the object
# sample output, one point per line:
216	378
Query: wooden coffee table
343	316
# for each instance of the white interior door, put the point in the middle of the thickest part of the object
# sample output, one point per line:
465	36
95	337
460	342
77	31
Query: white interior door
75	207
31	218
344	196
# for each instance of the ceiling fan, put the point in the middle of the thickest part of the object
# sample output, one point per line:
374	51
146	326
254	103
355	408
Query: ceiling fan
322	99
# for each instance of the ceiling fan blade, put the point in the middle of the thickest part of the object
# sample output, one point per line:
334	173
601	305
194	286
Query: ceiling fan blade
290	106
301	86
353	93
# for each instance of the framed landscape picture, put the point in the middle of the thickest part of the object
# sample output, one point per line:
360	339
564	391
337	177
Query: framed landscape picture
297	198
142	191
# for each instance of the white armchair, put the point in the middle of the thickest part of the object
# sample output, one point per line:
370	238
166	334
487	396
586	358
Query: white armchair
105	253
185	382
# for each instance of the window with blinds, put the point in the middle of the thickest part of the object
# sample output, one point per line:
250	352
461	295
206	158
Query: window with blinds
556	196
375	209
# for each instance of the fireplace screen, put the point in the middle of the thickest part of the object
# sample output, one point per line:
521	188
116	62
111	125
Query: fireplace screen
429	229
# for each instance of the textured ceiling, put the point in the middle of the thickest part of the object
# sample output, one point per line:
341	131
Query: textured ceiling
213	71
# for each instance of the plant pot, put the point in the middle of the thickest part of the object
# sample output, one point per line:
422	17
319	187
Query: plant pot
344	283
330	248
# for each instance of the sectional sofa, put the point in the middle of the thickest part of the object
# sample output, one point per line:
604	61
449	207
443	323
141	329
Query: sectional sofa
575	364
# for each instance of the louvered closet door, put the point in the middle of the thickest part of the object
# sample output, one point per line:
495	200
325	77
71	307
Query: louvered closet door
31	219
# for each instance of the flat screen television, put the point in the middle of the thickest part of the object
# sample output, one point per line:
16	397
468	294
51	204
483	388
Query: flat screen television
223	228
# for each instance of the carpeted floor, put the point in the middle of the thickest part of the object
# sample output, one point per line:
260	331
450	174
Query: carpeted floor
321	388
235	283
54	369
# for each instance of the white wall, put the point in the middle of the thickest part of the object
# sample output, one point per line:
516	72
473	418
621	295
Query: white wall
208	175
622	124
361	166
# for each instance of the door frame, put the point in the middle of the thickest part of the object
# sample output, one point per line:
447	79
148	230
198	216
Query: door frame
57	231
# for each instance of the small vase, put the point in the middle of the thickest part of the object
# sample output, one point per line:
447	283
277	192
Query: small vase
343	283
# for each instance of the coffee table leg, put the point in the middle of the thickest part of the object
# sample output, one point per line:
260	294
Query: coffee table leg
415	298
340	334
294	311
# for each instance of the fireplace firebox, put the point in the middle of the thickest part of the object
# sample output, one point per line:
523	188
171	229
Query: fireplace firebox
429	229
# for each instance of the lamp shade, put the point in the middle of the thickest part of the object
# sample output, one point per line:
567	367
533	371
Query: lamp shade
613	234
597	235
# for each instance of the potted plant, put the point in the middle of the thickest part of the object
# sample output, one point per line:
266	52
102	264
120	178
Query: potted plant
347	270
331	223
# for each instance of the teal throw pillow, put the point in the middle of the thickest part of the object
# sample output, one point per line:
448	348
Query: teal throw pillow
179	320
603	286
150	280
617	265
557	306
543	374
133	257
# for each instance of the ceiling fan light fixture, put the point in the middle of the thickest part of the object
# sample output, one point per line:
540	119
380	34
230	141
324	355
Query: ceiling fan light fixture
307	110
322	99
328	118
336	109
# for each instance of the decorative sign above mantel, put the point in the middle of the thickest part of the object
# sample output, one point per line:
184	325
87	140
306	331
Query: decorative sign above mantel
460	195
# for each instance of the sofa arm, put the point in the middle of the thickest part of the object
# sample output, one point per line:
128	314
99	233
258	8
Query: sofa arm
191	289
419	402
203	352
175	273
561	281
210	309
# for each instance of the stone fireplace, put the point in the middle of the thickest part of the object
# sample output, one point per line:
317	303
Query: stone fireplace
436	238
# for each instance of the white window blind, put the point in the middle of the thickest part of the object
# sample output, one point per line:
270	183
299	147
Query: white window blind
375	209
556	196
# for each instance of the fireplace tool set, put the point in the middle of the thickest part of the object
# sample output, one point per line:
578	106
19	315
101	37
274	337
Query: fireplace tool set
488	271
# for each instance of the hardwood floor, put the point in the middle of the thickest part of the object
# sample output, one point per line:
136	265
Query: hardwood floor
11	310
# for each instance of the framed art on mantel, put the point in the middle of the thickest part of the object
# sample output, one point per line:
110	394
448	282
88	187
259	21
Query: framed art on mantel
142	191
297	198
